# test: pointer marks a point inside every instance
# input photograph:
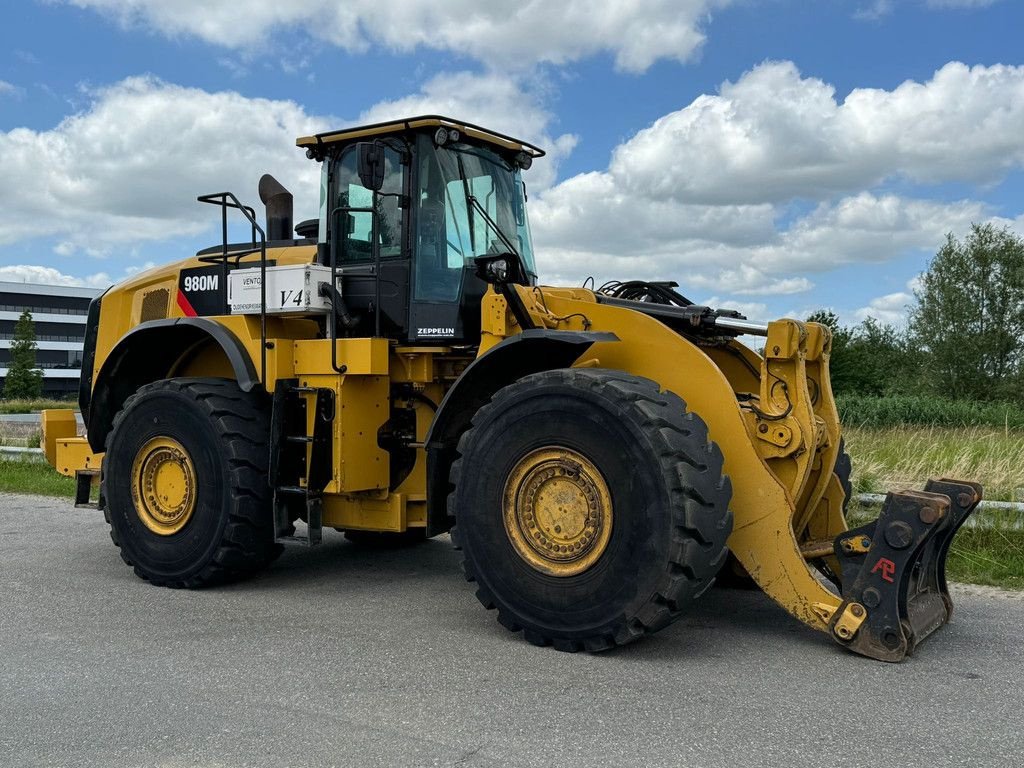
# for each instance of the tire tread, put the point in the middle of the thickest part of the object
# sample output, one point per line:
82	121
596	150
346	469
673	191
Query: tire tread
247	542
691	465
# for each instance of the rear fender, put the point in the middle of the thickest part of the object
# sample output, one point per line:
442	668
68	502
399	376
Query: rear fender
149	353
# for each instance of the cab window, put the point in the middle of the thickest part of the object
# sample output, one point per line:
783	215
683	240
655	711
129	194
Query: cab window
353	229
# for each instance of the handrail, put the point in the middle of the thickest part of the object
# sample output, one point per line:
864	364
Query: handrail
222	199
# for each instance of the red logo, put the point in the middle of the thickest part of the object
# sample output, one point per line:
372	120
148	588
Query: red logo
887	567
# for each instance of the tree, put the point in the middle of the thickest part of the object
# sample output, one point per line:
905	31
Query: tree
842	366
969	319
23	381
867	359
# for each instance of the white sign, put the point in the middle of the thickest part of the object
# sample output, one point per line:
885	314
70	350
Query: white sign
290	290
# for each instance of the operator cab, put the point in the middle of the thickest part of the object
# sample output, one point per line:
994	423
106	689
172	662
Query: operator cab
405	209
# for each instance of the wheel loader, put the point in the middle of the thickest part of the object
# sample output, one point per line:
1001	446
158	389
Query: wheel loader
394	370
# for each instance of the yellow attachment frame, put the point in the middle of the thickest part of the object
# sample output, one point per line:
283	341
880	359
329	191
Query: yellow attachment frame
63	449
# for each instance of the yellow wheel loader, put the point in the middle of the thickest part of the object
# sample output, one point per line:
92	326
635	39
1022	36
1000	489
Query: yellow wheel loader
394	370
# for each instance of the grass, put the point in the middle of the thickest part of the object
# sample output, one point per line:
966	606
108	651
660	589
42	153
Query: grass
31	406
987	556
30	475
991	556
906	456
926	411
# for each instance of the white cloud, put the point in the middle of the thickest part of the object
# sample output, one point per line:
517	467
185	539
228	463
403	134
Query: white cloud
774	135
711	195
129	167
492	100
702	247
866	228
890	309
874	10
501	33
941	4
751	309
878	9
9	89
720	219
30	273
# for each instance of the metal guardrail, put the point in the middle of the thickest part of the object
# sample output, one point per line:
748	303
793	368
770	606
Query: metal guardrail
1006	515
28	418
15	450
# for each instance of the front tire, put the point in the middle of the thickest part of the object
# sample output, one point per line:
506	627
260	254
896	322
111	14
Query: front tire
590	507
185	482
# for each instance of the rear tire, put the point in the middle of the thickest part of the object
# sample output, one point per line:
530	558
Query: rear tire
620	439
211	439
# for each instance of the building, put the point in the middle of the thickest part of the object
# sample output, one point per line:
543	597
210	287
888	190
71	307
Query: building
59	314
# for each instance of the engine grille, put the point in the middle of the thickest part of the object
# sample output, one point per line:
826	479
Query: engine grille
154	305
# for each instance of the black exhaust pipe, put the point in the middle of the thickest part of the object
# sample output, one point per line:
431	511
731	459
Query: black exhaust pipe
279	203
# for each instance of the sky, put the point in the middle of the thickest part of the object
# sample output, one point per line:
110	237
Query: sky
774	156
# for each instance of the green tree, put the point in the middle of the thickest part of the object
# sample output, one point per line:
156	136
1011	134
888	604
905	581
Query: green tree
969	320
23	381
842	366
867	359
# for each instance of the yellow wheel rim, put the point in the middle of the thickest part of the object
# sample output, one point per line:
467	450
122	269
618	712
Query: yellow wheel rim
163	485
557	511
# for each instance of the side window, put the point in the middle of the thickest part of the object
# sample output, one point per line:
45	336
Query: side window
352	230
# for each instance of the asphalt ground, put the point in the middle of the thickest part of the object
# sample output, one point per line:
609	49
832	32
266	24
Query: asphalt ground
346	657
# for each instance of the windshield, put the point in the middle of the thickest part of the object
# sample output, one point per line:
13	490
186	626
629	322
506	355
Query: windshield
451	231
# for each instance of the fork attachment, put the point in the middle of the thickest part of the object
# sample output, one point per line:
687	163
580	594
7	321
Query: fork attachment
894	570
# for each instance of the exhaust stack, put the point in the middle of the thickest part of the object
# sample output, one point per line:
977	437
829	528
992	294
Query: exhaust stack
278	201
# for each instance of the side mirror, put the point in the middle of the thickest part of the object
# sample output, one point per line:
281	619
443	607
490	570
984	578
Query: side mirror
371	165
500	269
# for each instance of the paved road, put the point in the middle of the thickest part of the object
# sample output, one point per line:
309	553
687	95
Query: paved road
348	658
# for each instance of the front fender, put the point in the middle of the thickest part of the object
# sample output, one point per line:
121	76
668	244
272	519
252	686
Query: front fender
531	351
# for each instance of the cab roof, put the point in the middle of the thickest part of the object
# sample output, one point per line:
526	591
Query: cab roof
423	121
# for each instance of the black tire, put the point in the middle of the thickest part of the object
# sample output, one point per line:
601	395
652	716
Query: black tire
386	540
669	498
225	433
843	472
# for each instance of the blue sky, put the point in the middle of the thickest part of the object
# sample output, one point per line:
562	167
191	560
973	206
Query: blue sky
774	155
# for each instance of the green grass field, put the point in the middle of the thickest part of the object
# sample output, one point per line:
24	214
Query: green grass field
24	475
883	460
31	406
905	457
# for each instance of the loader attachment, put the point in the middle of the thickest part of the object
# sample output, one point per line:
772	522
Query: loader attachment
893	570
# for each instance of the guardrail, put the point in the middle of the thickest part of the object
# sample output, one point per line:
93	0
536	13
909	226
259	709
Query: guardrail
1006	515
28	418
17	450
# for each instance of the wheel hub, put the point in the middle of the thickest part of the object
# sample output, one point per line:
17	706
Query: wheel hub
163	485
557	511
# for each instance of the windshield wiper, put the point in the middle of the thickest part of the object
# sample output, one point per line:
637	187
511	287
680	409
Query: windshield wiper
471	198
